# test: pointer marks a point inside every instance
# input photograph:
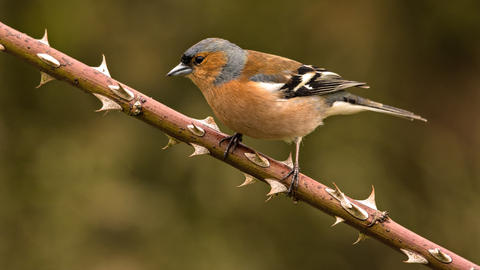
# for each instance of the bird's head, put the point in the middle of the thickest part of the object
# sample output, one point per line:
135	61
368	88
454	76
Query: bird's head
211	61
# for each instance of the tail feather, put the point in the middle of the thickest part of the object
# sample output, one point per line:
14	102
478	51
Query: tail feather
382	108
343	102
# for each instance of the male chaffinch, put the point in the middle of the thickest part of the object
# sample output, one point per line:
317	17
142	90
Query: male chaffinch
270	97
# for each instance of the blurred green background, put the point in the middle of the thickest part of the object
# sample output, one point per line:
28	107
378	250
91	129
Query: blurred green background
79	190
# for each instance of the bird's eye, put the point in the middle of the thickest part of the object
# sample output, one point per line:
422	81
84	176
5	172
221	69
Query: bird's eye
199	59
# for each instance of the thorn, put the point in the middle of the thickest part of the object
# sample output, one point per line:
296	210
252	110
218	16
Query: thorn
44	78
248	180
336	193
48	59
199	150
44	40
361	237
441	256
171	142
2	48
414	257
276	187
338	220
289	161
257	159
120	91
108	104
370	201
271	197
196	130
103	67
351	208
210	122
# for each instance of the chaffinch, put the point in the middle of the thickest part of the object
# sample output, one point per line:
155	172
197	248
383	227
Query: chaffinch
270	97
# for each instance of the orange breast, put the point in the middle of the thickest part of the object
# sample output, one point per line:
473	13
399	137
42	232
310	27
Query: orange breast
261	114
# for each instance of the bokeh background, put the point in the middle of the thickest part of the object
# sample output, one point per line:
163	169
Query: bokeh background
83	190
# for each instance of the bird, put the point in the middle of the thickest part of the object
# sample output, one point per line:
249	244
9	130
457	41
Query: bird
270	97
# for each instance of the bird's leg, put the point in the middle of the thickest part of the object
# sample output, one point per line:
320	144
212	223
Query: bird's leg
295	172
235	139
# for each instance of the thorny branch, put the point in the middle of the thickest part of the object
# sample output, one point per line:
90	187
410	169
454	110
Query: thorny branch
204	136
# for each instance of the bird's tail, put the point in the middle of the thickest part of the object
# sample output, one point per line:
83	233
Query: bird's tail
381	108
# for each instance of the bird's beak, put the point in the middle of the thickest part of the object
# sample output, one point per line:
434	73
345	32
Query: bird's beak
180	70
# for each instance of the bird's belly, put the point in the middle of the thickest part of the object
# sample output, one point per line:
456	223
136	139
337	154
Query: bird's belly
272	119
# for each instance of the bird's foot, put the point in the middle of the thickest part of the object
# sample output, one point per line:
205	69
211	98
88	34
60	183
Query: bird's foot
295	172
234	140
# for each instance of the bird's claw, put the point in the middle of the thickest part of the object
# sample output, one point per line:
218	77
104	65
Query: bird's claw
234	140
292	189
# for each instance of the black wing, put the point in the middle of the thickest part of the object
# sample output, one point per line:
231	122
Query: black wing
311	80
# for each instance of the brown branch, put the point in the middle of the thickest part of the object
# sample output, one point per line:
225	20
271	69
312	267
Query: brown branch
203	135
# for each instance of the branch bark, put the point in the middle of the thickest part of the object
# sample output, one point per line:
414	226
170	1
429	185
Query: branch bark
205	137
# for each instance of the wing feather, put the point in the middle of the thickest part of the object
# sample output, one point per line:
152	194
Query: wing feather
311	80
